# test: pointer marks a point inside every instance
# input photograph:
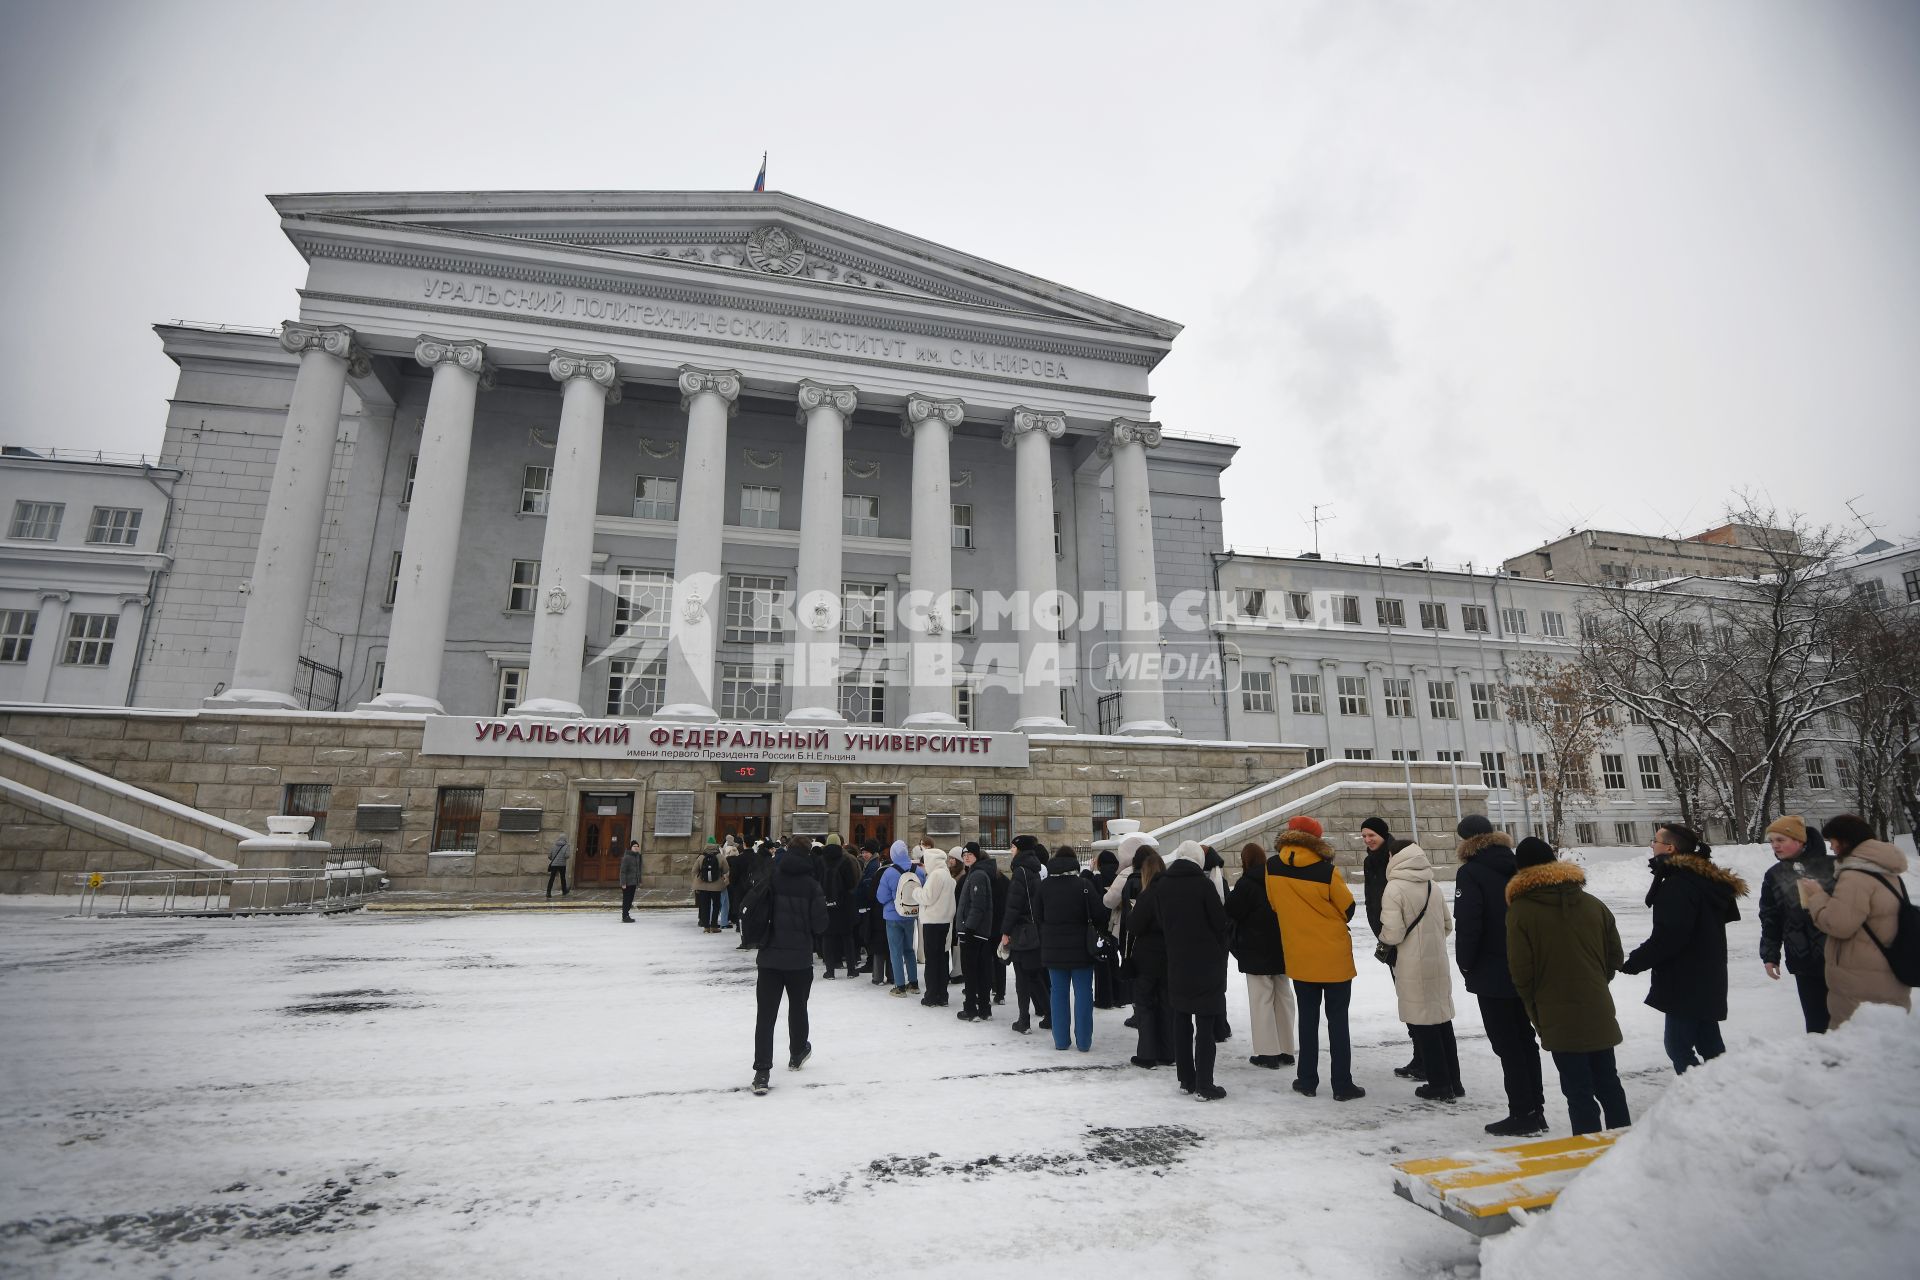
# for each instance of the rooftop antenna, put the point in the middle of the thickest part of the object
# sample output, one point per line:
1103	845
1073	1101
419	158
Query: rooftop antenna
1873	534
1319	520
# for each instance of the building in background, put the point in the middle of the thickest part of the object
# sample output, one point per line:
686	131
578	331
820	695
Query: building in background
1602	556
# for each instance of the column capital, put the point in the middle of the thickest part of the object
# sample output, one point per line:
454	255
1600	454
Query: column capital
601	369
1125	431
828	395
725	383
55	593
465	353
1052	425
927	409
336	340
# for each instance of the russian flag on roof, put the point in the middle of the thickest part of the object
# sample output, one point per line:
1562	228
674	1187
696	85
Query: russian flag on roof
760	183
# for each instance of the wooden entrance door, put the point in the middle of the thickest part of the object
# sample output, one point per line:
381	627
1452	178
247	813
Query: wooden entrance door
744	816
606	824
870	818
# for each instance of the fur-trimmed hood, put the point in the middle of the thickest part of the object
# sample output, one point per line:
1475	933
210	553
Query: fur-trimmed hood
1705	868
1486	839
1289	844
1544	876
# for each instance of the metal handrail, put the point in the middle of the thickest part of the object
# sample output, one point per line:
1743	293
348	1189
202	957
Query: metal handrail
225	891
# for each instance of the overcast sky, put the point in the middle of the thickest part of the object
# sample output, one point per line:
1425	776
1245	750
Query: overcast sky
1471	273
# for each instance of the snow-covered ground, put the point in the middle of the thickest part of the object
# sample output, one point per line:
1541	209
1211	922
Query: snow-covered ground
509	1095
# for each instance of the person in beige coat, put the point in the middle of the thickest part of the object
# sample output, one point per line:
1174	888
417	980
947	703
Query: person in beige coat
1863	906
1414	919
934	924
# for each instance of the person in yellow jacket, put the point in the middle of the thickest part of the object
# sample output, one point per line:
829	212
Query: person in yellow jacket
1311	901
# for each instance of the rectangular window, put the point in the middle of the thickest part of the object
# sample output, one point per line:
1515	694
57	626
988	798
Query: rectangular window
1405	756
413	470
1390	613
749	690
1650	773
633	692
753	607
1397	695
1251	603
1553	624
1493	769
1449	757
1623	833
536	486
16	633
996	820
456	819
393	580
1433	615
1586	832
1870	591
760	506
1306	695
963	526
379	677
1353	695
1843	772
1636	716
1911	578
309	800
114	526
863	609
1256	691
963	704
1533	768
655	497
1299	606
1514	620
1358	753
1105	810
863	694
1590	627
1816	773
520	592
1058	541
966	611
37	521
90	639
1347	609
1483	702
1613	772
1473	617
642	601
1441	702
1316	755
511	691
860	515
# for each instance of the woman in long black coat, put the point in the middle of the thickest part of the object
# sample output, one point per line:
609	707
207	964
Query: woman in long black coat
839	877
1187	908
1147	963
1693	901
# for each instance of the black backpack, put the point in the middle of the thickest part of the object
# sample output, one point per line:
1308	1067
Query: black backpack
756	915
709	867
1903	952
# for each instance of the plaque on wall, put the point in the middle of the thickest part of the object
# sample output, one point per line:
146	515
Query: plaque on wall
673	813
811	795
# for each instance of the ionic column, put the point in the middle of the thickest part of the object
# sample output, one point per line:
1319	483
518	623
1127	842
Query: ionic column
710	397
49	637
268	654
1031	436
417	639
589	384
826	410
930	423
1143	708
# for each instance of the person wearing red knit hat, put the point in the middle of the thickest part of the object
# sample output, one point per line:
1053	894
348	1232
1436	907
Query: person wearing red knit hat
1313	905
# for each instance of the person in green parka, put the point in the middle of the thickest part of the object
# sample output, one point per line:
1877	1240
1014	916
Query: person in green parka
1562	950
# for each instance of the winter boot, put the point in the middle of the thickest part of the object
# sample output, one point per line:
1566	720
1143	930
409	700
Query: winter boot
1349	1093
799	1059
1209	1093
759	1083
1023	1026
1520	1126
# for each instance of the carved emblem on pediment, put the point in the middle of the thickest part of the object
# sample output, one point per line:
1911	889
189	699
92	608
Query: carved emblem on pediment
775	250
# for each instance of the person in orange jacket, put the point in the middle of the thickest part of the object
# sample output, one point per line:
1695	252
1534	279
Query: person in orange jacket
1313	905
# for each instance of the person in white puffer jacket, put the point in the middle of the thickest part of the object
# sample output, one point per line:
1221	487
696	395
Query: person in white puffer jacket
936	923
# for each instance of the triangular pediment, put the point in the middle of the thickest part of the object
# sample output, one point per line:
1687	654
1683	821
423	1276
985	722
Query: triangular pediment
735	236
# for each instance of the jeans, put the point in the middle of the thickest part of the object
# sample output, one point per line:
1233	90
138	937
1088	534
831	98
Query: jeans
1270	1008
1591	1082
1812	983
1194	1044
981	965
1336	996
560	871
707	907
1080	1005
1685	1034
906	970
1511	1036
626	900
935	938
720	906
795	985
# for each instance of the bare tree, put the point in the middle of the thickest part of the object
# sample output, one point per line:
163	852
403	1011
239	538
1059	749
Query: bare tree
1569	717
1881	715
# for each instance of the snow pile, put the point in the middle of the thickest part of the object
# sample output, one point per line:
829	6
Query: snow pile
1623	872
1798	1158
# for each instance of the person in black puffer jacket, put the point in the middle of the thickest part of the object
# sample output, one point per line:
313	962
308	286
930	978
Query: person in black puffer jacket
1189	913
1785	924
785	961
1067	910
839	877
1153	1021
1693	901
1258	951
1020	934
1480	949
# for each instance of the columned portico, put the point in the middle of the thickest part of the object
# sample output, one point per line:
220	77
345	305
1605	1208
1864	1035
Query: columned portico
418	638
710	397
268	655
930	424
1142	705
590	383
1031	436
825	408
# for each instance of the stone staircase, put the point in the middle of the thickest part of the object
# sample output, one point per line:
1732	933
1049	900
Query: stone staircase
58	817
